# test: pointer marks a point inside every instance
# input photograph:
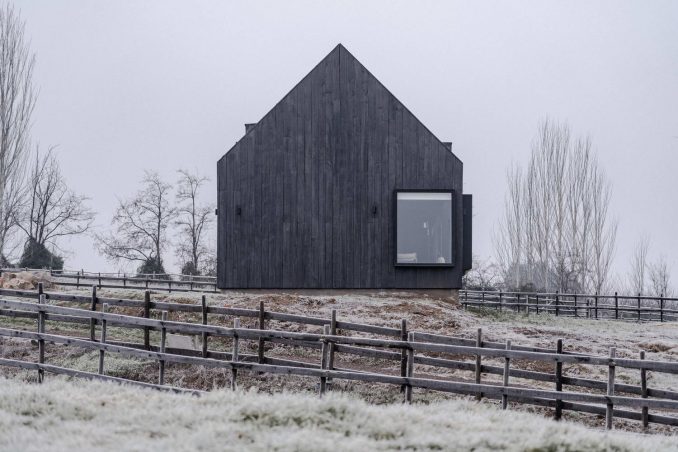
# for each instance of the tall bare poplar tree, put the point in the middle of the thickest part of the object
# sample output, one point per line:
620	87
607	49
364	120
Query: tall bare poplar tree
639	266
556	233
17	100
193	220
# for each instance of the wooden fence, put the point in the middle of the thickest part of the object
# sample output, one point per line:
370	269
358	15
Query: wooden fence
157	282
611	307
408	348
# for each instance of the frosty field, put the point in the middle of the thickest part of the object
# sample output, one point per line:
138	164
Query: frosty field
62	415
283	412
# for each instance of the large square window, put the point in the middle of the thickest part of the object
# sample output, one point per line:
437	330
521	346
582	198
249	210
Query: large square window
424	228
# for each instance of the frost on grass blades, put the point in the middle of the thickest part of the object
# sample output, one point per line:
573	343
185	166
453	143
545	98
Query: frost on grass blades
54	415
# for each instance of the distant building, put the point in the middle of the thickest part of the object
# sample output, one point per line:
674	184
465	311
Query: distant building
340	186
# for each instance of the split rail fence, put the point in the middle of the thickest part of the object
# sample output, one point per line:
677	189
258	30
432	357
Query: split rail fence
611	307
141	281
408	348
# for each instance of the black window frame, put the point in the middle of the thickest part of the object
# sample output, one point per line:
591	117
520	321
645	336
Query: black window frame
395	226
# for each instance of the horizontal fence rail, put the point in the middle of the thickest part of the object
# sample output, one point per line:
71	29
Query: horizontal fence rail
610	307
408	348
138	281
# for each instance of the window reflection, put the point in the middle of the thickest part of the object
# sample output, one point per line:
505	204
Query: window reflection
424	228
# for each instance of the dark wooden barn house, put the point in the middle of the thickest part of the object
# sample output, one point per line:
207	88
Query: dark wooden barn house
340	186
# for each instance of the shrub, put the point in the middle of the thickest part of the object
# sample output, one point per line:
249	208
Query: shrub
189	269
150	266
36	255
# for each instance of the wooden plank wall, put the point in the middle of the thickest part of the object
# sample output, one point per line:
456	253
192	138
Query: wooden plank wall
308	177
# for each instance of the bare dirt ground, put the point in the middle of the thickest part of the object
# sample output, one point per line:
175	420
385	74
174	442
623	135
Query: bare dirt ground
426	314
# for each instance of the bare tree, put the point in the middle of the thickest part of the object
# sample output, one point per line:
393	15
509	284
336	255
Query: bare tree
603	234
140	227
660	278
638	274
17	101
482	276
509	239
52	210
555	233
193	220
13	200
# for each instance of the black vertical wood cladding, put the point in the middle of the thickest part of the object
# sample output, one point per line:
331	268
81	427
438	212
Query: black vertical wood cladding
315	180
467	259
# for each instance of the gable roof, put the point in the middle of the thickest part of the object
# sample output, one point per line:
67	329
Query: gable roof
336	56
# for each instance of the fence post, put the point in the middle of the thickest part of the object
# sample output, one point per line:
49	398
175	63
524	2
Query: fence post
147	314
104	308
262	326
234	355
93	307
333	332
204	322
41	341
576	313
595	300
661	307
99	280
527	304
609	411
588	308
643	391
163	341
323	360
410	369
639	307
169	284
501	296
537	302
403	352
504	397
478	367
518	303
616	306
557	302
559	381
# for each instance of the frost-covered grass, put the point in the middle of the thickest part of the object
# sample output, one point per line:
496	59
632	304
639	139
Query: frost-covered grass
64	415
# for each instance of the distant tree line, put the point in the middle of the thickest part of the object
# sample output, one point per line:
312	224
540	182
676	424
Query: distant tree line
556	233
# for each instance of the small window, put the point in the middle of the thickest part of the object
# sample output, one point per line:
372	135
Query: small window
424	228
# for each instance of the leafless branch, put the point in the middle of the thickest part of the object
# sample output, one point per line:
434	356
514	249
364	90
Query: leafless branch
140	224
17	101
52	210
193	220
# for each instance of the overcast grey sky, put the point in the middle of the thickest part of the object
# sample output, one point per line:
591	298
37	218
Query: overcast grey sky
163	85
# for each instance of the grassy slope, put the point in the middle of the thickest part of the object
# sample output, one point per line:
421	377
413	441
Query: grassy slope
62	415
